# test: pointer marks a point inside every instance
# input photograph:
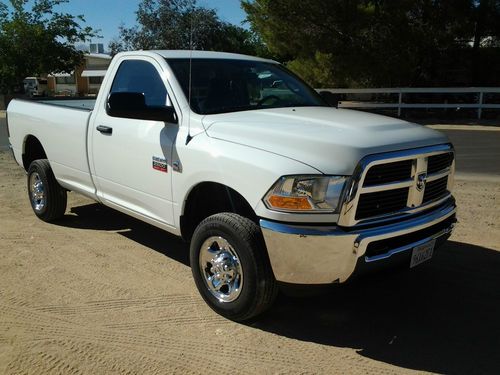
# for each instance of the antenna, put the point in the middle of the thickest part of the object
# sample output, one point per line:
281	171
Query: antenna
189	137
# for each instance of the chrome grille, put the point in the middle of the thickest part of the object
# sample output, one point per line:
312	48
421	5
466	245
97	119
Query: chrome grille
435	189
390	172
439	162
381	202
398	183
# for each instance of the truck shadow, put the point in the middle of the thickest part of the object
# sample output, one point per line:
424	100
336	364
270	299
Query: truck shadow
98	217
442	317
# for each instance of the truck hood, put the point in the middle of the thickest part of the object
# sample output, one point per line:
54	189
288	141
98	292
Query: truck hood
330	140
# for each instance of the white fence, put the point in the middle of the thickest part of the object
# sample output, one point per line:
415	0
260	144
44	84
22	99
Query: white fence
478	105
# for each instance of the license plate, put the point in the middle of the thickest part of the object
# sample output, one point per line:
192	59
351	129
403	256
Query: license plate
422	253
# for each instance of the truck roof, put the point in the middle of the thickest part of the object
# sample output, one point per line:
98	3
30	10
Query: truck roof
186	54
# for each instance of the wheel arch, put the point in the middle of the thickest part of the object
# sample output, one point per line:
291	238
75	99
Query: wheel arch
32	150
209	198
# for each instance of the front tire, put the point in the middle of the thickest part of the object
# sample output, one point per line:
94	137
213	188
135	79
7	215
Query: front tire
48	199
230	266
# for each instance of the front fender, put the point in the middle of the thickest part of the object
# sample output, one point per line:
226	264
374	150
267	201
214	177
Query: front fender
249	171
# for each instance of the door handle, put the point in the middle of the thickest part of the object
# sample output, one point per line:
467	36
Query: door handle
105	129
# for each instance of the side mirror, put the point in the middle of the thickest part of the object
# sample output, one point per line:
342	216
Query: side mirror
330	98
133	105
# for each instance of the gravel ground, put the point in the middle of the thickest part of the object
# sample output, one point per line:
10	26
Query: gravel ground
100	292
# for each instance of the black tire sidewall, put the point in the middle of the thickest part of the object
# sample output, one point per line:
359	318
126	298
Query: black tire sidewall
247	297
55	195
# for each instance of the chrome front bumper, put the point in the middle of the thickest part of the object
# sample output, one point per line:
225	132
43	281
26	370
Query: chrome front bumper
323	255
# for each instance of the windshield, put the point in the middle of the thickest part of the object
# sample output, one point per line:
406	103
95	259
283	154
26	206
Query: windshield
223	85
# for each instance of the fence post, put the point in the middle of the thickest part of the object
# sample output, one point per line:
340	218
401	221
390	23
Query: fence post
480	104
400	101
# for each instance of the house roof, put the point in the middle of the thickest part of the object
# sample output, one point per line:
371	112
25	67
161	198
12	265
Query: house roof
94	73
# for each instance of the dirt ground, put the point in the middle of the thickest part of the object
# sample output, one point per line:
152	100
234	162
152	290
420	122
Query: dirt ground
103	293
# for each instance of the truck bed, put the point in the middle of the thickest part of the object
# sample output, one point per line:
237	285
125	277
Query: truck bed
87	104
61	126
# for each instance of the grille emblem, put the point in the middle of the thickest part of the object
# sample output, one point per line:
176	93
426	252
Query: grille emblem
421	181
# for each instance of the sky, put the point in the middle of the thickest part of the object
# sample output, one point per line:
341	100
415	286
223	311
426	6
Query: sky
107	15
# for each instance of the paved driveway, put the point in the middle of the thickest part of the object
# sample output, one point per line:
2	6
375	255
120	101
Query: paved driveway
478	151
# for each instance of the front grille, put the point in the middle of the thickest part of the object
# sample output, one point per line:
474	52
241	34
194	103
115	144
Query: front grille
435	189
381	203
437	163
390	172
397	183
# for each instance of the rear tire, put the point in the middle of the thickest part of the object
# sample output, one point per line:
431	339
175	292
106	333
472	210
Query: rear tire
48	199
231	268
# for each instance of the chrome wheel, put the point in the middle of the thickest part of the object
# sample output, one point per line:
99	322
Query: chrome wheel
221	269
37	192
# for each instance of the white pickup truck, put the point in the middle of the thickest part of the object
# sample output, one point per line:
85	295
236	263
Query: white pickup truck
268	182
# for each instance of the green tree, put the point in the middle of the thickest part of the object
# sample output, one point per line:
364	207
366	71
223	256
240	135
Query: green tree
37	40
382	42
182	24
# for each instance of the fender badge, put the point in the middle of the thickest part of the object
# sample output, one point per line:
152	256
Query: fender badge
160	164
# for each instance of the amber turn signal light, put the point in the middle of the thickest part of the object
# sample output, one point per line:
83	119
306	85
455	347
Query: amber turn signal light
290	203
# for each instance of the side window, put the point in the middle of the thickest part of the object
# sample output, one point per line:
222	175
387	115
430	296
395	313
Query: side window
140	76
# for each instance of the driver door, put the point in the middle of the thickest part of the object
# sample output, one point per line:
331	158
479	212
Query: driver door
133	157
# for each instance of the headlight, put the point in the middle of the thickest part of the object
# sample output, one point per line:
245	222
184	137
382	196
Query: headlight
306	194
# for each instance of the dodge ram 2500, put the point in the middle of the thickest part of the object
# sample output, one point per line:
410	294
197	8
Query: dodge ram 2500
268	182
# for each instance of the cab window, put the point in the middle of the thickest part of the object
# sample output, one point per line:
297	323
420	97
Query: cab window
139	76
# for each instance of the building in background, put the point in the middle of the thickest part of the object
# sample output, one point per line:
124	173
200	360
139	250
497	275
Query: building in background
85	80
96	48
